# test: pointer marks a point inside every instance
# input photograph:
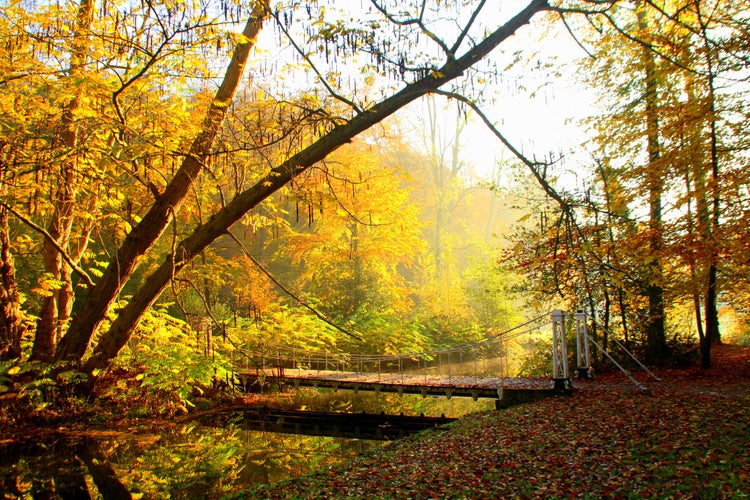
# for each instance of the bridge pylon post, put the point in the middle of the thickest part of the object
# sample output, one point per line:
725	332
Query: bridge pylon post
559	351
583	358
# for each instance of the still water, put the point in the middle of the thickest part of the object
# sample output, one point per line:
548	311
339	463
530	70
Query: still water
189	460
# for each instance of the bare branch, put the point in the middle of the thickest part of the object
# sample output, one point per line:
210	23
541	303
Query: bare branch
418	21
532	165
310	63
649	46
575	38
468	26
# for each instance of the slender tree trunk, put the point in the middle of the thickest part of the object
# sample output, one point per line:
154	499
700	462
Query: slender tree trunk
438	176
359	287
128	318
608	190
56	307
692	226
623	315
713	335
11	326
145	234
605	319
656	344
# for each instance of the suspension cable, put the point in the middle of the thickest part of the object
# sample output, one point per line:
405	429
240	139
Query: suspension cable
645	368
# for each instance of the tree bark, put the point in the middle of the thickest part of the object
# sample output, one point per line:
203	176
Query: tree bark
656	343
144	235
11	325
56	307
120	330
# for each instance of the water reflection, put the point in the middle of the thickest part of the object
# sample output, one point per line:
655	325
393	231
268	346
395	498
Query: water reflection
182	462
206	460
410	404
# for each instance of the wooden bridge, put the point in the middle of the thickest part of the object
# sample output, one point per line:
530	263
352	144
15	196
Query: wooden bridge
473	370
506	391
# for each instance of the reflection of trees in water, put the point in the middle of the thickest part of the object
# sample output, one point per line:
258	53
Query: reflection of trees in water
194	461
184	461
101	471
177	464
272	457
62	472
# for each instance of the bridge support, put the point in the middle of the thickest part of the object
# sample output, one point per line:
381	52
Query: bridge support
582	347
559	351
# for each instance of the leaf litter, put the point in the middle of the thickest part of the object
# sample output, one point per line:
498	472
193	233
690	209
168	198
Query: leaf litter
687	438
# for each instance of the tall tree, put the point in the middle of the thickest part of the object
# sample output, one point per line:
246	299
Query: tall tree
656	339
151	226
57	305
454	66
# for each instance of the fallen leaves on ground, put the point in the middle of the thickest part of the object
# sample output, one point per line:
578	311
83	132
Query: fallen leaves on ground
687	438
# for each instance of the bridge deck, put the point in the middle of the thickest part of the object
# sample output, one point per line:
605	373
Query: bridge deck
424	385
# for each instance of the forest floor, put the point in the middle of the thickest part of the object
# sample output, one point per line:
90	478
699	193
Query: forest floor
688	437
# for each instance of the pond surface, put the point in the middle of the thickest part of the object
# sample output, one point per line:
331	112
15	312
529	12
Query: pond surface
157	460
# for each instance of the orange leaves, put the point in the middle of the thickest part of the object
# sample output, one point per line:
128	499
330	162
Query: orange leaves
680	442
351	227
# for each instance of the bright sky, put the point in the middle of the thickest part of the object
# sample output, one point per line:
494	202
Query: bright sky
537	125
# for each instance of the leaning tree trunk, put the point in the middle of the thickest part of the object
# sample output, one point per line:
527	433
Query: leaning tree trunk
144	235
122	327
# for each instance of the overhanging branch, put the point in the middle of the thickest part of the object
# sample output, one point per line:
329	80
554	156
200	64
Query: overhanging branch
532	165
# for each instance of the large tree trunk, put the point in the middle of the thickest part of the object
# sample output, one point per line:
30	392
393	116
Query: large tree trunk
144	235
120	330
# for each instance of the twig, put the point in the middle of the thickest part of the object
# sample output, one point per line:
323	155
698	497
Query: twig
289	292
86	278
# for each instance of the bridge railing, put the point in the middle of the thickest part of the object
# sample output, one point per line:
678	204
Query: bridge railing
484	358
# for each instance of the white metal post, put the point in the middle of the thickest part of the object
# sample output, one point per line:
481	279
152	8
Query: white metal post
582	347
559	351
